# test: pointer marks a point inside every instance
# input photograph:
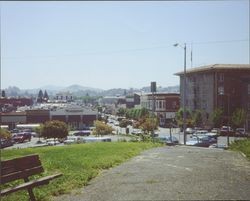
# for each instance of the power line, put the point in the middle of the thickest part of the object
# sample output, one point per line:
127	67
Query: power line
128	50
220	41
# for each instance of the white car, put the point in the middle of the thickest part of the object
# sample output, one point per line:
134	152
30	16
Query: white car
190	131
74	139
52	142
136	131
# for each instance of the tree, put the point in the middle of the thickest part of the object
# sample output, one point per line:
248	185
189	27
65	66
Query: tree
121	112
149	125
38	130
3	94
216	117
54	129
189	118
197	118
45	96
239	118
102	128
40	96
4	134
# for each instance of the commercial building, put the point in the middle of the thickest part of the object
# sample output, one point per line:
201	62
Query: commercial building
166	105
75	116
225	86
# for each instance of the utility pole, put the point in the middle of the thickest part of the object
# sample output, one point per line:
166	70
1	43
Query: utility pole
184	91
184	96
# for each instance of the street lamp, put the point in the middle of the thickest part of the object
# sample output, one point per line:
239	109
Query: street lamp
184	91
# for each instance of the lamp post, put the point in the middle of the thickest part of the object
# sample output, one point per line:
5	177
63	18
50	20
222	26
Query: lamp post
153	90
184	91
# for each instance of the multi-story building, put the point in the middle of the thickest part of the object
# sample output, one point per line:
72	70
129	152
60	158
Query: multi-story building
11	104
225	86
166	105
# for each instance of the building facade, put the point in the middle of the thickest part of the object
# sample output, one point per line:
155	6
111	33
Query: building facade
166	105
75	117
225	86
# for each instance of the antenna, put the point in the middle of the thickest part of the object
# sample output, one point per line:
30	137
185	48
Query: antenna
191	55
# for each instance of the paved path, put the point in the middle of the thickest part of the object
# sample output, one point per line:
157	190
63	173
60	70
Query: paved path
172	173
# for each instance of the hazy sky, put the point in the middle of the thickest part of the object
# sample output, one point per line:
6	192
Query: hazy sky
117	44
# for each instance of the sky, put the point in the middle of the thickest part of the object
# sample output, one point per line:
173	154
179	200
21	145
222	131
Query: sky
123	44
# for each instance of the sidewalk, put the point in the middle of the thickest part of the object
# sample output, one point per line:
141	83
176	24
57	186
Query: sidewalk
172	173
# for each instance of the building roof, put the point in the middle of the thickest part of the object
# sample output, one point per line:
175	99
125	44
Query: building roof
216	67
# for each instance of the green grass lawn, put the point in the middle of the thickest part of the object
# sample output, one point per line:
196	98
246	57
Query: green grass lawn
79	163
241	145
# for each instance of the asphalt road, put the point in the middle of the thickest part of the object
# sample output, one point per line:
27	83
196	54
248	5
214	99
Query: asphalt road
172	173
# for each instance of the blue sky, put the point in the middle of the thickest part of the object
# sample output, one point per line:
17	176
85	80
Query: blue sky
117	44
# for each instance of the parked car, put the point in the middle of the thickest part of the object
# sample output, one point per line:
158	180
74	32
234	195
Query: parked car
21	137
74	139
226	130
136	131
6	142
199	133
215	130
240	131
204	141
190	131
172	140
82	133
167	140
52	142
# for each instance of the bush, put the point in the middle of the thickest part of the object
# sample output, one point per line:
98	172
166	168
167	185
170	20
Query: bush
54	129
241	145
5	134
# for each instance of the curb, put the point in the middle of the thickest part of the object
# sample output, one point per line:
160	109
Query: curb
244	155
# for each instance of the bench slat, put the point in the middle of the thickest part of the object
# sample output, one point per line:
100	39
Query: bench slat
19	164
30	184
21	174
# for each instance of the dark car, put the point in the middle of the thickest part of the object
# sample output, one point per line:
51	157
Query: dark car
226	130
82	133
167	140
6	142
240	131
202	141
172	141
21	137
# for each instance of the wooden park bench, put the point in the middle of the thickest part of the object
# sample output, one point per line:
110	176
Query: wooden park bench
23	168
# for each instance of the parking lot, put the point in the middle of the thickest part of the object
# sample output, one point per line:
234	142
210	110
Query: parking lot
119	132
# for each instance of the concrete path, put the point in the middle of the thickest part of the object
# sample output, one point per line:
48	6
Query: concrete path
172	173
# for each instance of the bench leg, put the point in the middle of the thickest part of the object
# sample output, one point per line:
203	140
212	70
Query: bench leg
31	194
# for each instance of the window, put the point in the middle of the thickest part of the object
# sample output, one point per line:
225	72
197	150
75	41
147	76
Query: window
174	104
221	90
221	77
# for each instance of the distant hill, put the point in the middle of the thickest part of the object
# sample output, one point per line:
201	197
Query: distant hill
78	90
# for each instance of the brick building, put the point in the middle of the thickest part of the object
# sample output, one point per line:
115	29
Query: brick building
75	117
166	105
10	104
225	86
